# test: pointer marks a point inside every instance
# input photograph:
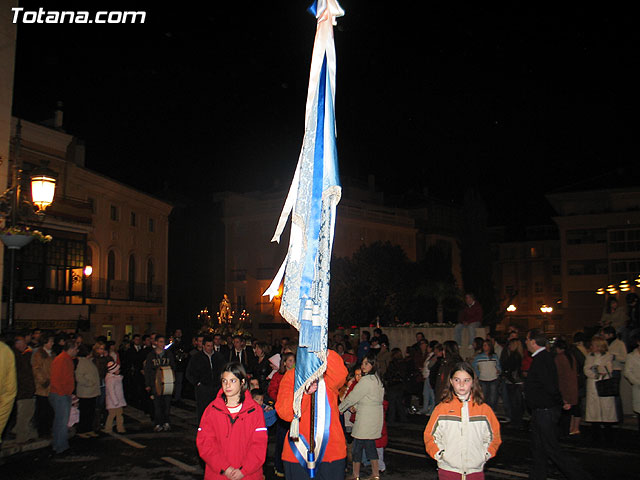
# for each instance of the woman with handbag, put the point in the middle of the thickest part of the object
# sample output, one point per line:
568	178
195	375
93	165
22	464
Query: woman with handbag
601	410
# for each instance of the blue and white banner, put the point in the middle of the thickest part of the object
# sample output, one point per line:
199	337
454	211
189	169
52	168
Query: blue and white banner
312	201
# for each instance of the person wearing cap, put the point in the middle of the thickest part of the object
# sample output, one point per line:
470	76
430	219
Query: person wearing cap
114	397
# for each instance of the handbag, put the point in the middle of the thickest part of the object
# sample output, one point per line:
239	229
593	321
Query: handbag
608	387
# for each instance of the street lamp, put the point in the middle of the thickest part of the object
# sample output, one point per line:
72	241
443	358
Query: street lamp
43	187
14	234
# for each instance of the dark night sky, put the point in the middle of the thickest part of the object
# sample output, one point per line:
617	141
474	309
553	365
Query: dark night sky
515	99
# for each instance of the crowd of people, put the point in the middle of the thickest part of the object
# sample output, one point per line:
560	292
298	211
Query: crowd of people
244	388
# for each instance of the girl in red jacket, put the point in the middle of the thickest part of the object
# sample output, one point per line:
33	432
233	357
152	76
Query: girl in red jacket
232	438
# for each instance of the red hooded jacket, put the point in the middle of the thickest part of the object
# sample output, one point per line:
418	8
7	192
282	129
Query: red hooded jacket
239	441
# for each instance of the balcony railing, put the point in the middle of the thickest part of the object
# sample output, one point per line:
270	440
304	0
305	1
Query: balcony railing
102	288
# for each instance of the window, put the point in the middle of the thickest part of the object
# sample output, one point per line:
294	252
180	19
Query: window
92	203
624	241
132	219
627	269
132	276
151	273
114	213
152	225
111	266
586	236
588	267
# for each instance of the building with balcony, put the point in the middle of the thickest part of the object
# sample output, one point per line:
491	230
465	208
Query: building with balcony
97	222
599	233
251	260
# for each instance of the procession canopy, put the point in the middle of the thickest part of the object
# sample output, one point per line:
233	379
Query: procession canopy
311	202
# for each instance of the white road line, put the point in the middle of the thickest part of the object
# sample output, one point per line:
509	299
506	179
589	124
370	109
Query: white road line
404	452
509	472
126	440
181	465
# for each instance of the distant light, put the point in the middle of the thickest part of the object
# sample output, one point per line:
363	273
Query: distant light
30	287
88	270
511	308
546	309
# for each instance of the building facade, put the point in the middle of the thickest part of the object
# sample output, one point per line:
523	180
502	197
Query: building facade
252	260
527	275
599	233
97	222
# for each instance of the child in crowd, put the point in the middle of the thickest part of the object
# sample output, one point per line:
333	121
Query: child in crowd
462	447
232	437
270	415
114	396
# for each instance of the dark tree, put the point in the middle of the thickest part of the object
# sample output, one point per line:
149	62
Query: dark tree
476	255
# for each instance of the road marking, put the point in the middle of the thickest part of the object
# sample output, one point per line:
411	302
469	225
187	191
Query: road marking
404	452
509	472
181	465
126	440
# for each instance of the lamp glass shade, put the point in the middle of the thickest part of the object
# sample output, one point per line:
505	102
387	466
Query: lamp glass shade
43	188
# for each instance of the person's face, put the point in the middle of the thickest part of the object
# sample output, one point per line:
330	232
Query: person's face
614	305
231	385
258	351
73	351
461	383
259	399
137	340
290	363
79	340
468	299
178	333
486	347
513	346
147	342
35	336
160	343
340	349
49	344
216	340
366	367
419	337
199	341
208	347
531	345
254	383
100	350
423	347
20	344
283	342
237	344
357	374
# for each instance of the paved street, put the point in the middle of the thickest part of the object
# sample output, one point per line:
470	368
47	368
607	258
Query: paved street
143	454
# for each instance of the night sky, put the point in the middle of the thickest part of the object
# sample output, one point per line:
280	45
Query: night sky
517	100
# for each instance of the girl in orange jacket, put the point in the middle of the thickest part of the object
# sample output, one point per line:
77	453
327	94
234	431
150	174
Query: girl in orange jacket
463	432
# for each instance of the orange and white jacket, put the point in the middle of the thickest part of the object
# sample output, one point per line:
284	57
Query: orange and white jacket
462	436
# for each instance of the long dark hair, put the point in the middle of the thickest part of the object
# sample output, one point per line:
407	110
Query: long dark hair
371	358
448	393
451	351
240	373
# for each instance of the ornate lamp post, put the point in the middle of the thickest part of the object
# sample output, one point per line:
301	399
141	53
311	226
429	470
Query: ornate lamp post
15	234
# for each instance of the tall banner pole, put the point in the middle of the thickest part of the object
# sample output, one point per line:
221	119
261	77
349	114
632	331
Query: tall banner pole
305	273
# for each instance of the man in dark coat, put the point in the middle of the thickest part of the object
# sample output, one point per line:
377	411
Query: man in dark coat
543	398
203	372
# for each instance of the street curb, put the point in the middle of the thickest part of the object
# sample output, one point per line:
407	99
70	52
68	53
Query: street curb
11	448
